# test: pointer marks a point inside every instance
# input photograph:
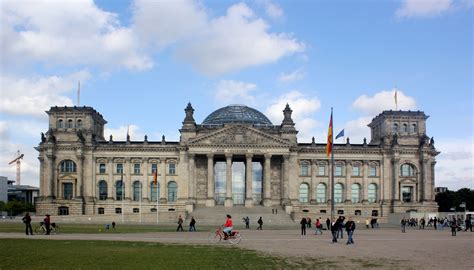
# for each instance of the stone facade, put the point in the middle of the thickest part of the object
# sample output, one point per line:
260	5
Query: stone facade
235	157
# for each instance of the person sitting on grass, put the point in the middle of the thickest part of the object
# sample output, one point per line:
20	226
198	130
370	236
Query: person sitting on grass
228	227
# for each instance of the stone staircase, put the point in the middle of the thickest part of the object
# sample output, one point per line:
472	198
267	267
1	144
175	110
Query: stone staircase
217	215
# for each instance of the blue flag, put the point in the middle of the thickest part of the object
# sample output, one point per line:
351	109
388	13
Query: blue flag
340	134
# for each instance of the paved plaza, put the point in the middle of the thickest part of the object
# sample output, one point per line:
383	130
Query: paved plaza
389	248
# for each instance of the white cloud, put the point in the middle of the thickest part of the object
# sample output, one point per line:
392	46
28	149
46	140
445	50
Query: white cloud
423	8
235	41
67	33
455	164
293	76
33	96
383	100
230	91
303	108
120	133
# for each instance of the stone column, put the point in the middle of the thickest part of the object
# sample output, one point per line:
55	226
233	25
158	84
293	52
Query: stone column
248	181
285	195
145	181
128	180
228	185
365	181
346	196
191	179
162	181
210	181
111	180
312	186
267	181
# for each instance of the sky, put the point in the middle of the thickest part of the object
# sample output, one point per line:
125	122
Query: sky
140	62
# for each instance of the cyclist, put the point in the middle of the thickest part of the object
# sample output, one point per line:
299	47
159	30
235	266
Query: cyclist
227	226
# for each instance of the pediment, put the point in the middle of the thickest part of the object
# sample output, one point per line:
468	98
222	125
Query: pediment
239	135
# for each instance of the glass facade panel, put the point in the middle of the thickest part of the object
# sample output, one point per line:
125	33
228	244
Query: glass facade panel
321	193
238	182
220	181
304	193
338	193
257	182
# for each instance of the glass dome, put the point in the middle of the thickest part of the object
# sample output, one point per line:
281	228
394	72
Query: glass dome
236	114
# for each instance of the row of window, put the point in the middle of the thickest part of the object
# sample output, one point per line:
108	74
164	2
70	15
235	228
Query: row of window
321	193
137	191
69	123
404	128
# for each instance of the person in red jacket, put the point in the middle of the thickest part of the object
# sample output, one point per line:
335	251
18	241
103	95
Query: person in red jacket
228	226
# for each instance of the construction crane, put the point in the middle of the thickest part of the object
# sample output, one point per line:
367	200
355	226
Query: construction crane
18	158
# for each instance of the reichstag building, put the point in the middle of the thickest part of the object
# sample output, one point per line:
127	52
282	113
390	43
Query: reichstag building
235	157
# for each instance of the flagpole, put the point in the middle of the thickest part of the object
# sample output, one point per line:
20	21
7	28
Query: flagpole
332	169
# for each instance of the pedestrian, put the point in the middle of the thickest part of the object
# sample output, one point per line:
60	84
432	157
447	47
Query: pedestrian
180	224
334	228
47	223
27	221
260	224
318	226
247	222
350	228
328	224
367	223
113	225
403	224
192	224
303	226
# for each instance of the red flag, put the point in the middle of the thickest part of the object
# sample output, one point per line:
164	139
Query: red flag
155	177
329	144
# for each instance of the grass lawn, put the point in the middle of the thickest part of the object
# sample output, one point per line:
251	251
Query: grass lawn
66	254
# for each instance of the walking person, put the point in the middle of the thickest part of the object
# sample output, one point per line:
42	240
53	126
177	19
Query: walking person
403	224
350	228
192	225
334	228
180	224
47	223
260	224
303	223
27	221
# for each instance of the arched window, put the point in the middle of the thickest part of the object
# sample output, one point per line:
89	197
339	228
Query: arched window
60	123
102	190
68	166
321	193
69	123
395	128
304	188
413	128
119	190
137	191
304	168
372	193
79	123
355	193
154	191
338	193
405	128
172	191
407	170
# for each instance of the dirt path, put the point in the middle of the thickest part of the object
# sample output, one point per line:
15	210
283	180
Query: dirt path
385	248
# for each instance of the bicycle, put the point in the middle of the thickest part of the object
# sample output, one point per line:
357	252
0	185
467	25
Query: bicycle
234	237
41	229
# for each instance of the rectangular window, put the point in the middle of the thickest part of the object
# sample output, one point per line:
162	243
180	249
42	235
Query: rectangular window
356	171
154	167
102	168
321	170
171	169
67	191
373	170
136	168
338	171
119	168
